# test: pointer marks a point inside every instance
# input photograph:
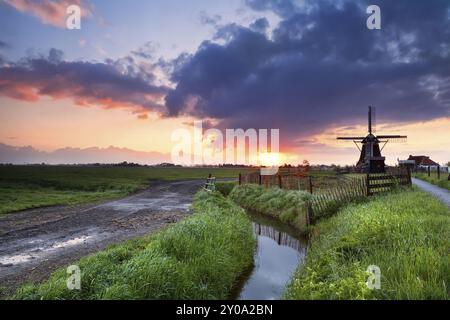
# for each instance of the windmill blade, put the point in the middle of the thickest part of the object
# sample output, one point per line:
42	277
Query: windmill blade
350	138
372	119
393	138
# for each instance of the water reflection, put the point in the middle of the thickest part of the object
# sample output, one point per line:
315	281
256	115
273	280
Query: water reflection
281	238
279	252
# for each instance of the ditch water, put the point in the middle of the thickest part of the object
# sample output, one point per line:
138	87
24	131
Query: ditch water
280	250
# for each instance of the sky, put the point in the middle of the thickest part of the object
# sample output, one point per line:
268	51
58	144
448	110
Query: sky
139	70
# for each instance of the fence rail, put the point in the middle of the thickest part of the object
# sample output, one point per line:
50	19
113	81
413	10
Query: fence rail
383	182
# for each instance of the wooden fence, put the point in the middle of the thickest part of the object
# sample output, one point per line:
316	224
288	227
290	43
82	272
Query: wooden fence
327	200
332	191
288	181
445	171
373	182
383	182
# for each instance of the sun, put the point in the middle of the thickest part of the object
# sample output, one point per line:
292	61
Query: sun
270	159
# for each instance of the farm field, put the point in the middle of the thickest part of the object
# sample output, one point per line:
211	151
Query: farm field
443	182
25	187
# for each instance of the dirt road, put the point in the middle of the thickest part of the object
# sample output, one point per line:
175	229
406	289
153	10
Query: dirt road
34	243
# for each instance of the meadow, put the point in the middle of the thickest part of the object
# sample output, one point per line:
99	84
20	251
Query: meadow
25	187
200	257
443	182
405	233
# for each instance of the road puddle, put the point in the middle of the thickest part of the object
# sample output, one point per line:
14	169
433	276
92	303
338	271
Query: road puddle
40	251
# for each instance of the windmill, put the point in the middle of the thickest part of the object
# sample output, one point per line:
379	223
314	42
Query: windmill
370	160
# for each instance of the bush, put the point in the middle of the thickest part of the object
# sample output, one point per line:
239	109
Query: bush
200	257
225	187
404	233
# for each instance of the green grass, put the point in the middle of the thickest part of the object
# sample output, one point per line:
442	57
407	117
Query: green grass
24	187
288	206
443	182
225	187
200	257
405	233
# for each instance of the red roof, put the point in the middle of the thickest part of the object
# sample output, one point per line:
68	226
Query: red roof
423	161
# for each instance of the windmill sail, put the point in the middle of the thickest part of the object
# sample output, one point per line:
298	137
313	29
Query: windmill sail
370	159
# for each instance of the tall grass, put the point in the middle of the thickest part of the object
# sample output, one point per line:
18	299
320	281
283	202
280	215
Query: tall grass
406	234
225	187
288	206
200	257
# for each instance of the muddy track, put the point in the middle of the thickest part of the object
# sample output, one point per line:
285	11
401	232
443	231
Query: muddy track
33	243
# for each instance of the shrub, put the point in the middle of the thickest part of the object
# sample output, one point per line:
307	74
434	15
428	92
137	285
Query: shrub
225	187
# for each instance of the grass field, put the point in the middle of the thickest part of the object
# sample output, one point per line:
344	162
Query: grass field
24	187
200	257
404	233
443	182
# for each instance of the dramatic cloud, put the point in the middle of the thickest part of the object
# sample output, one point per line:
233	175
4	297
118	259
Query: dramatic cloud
280	7
51	12
321	67
112	84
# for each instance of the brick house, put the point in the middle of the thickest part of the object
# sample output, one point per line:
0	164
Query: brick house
423	161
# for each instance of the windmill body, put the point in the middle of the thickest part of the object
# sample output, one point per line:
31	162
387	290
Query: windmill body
371	160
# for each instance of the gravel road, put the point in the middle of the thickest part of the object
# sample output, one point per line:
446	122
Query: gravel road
33	243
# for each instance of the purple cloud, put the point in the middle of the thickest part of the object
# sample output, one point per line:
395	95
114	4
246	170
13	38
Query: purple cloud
321	67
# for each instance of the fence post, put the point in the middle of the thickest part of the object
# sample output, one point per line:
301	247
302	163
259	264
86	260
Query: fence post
367	185
409	176
280	182
260	180
429	170
240	179
310	185
439	172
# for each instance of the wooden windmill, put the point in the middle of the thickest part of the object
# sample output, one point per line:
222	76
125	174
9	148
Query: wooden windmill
371	160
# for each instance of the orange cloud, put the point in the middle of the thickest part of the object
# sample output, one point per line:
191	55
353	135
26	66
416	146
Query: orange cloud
143	116
48	11
85	83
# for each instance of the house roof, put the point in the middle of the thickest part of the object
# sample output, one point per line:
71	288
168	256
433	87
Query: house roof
423	161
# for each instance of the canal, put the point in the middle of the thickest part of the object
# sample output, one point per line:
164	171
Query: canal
280	250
